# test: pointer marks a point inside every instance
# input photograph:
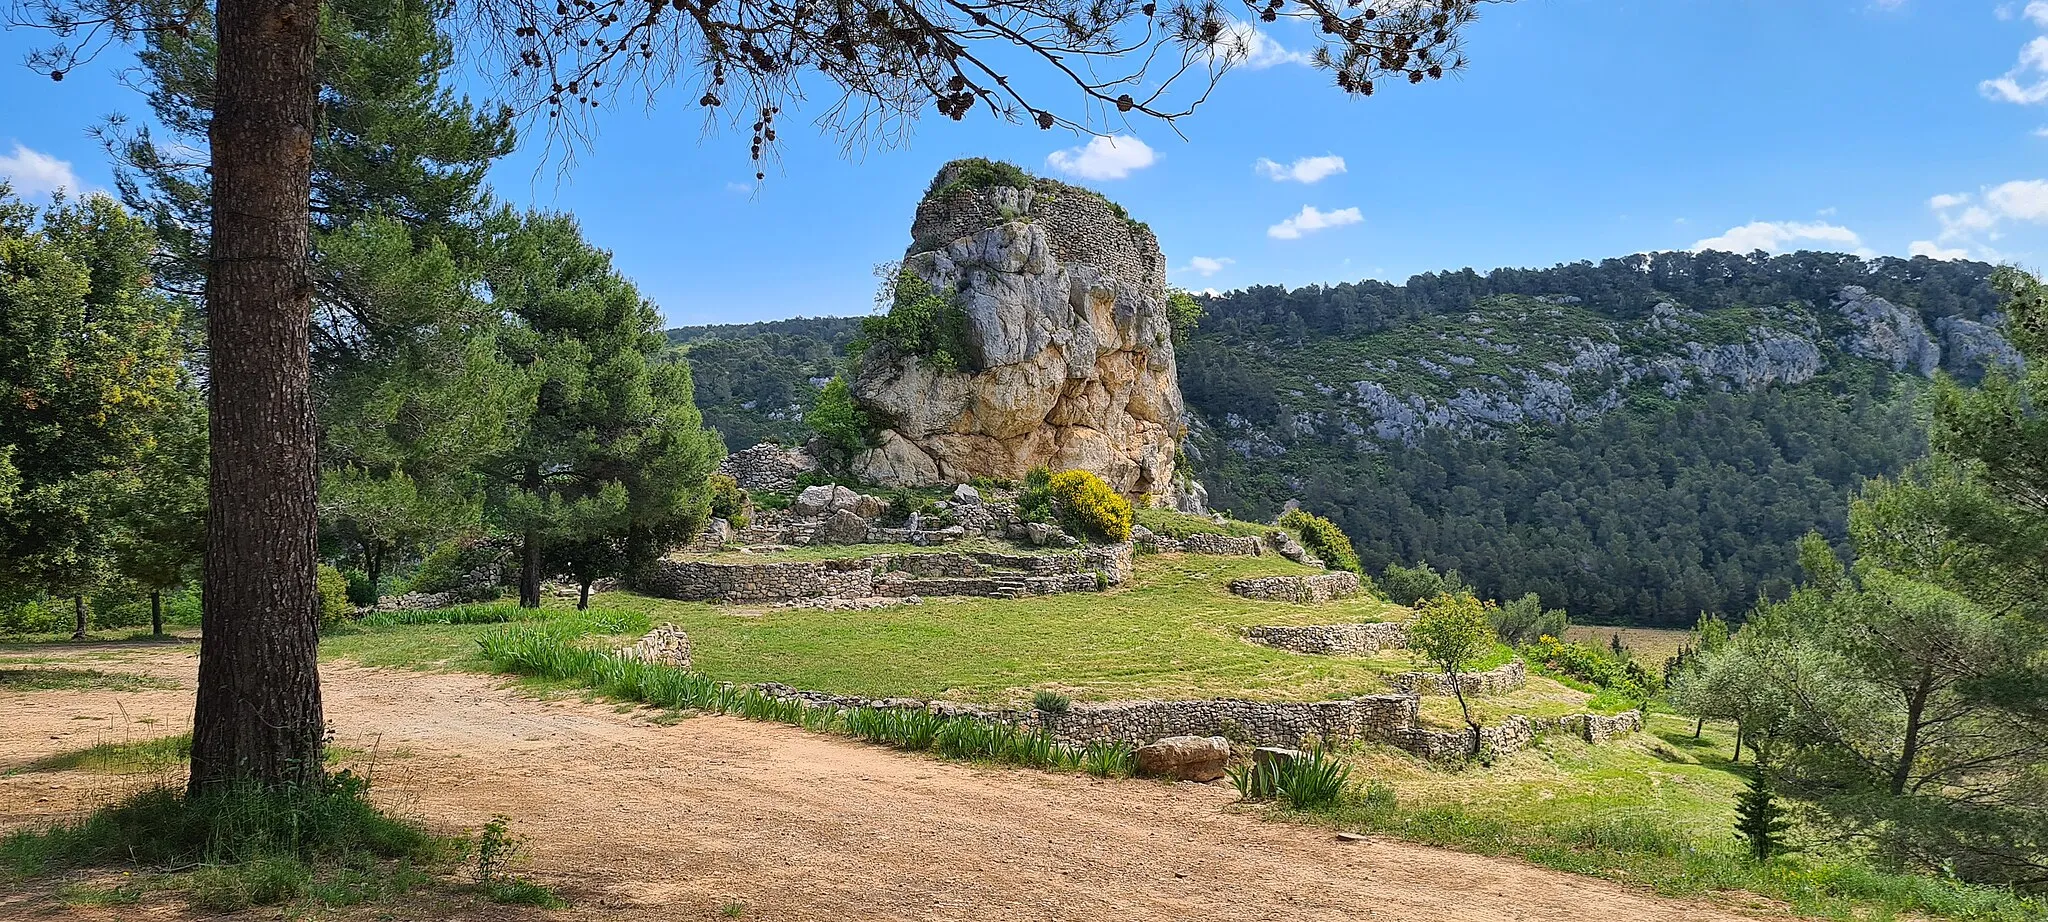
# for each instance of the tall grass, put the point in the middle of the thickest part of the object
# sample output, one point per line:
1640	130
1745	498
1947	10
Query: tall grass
552	653
1312	781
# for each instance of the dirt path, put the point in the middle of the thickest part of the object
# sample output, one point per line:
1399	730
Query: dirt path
639	821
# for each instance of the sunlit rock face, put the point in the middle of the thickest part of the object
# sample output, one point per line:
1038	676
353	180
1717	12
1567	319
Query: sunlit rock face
1070	360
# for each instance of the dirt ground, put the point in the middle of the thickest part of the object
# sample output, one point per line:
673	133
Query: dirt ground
634	820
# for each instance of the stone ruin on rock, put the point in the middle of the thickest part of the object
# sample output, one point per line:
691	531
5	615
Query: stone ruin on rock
1071	363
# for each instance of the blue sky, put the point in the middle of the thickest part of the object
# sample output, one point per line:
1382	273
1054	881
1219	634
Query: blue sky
1583	129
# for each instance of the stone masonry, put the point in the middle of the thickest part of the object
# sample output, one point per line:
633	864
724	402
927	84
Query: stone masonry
890	575
1321	587
1497	681
1332	639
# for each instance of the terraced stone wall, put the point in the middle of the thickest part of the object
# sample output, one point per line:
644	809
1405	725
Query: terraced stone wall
1332	639
1321	587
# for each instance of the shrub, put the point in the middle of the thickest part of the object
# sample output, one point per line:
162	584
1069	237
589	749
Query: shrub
1047	701
1525	619
33	616
978	173
1592	665
1085	504
1311	781
1034	498
1325	539
360	592
1411	585
1183	314
836	418
335	607
921	321
468	566
728	501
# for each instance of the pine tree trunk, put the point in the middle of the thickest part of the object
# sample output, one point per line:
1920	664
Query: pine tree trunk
1909	751
529	548
78	615
583	595
258	717
156	612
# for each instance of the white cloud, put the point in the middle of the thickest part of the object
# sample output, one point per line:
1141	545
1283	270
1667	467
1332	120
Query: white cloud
2037	13
1930	248
1946	200
1303	170
2025	199
2027	82
1826	212
1310	220
1206	266
1243	45
1103	158
1779	236
33	173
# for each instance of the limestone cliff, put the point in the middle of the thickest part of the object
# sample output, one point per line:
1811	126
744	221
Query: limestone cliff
1070	363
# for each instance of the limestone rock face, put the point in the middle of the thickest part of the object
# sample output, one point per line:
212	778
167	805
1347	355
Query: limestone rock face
1886	332
1070	366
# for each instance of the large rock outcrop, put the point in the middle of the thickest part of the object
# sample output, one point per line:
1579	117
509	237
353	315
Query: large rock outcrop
1070	361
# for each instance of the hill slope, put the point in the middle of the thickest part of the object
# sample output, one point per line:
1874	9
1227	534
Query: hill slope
1636	440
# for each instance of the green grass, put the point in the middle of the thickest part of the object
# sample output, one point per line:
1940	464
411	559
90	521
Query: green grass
34	678
1175	631
129	757
1176	524
1654	811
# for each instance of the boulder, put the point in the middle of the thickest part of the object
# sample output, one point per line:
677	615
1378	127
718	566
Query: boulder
843	527
1185	758
814	501
966	495
1274	758
1069	362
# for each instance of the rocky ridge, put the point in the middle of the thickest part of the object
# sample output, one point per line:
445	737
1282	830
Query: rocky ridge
1467	375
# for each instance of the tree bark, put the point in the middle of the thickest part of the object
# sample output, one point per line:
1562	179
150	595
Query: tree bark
258	717
373	569
1458	689
156	612
1737	757
529	548
78	615
1909	751
583	595
1698	726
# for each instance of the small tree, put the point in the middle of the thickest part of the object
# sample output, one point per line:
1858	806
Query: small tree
380	515
837	419
1759	821
1452	632
1525	619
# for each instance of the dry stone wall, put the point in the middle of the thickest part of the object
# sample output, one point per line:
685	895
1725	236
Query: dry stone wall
1332	639
1497	681
889	575
1322	587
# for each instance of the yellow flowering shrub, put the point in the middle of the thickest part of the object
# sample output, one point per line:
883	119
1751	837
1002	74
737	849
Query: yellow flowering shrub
1086	504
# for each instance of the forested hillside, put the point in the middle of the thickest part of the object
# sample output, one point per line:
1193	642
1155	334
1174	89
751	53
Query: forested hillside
1636	440
756	380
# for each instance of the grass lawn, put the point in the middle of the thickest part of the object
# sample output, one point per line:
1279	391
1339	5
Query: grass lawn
1650	646
1655	810
1174	632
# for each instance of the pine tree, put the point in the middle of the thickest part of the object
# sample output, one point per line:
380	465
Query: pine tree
606	467
1759	820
